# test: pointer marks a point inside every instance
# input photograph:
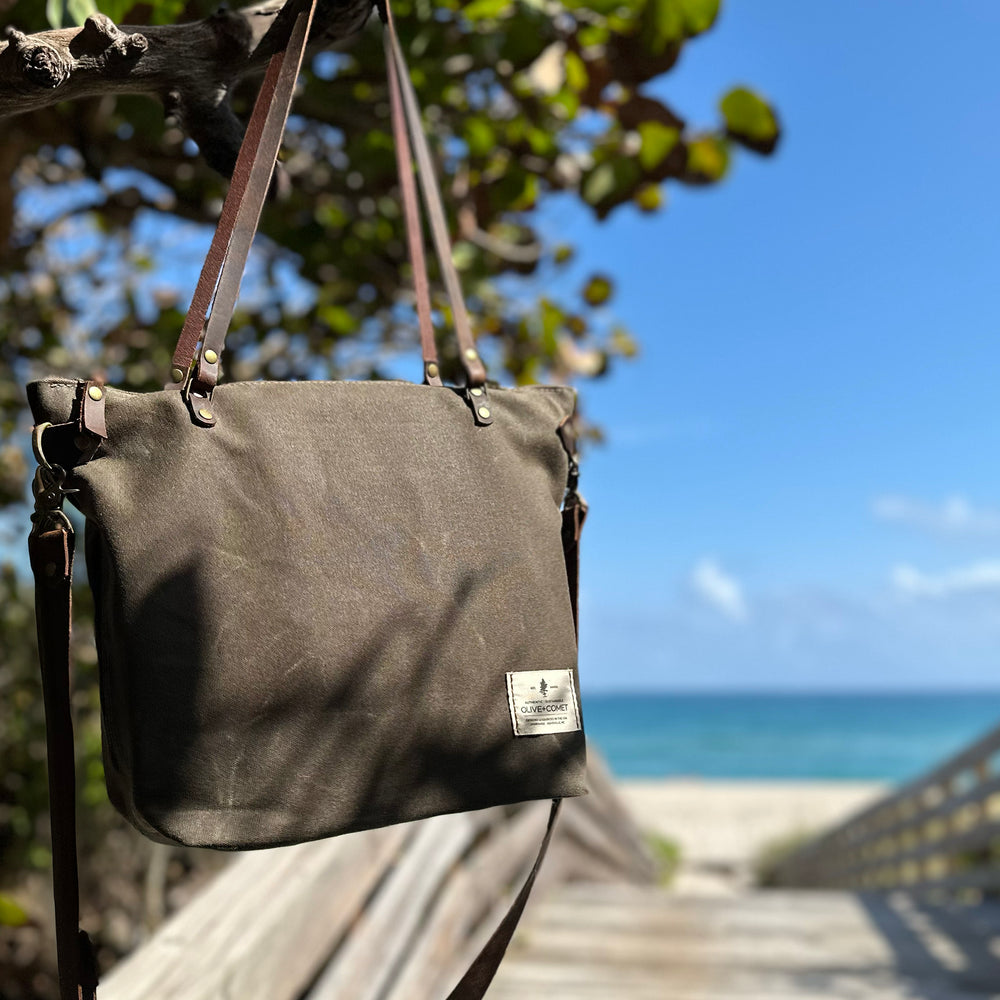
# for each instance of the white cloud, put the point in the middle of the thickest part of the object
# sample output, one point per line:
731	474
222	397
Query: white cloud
719	589
954	516
984	575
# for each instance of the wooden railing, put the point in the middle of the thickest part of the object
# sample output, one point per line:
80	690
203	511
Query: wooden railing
391	914
938	834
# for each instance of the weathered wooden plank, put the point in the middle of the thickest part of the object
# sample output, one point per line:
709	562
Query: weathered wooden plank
264	927
366	964
586	942
580	824
609	809
468	900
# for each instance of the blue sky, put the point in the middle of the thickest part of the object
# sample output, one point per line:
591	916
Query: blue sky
801	486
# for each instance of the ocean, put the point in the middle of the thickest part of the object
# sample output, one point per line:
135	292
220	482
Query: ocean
880	737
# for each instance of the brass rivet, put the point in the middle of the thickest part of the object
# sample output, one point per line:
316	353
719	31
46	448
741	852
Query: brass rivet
476	392
471	354
211	357
177	374
205	414
484	412
432	370
95	392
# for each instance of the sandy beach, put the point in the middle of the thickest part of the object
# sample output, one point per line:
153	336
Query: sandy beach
722	826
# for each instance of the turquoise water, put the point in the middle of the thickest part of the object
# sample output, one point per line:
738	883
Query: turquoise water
884	737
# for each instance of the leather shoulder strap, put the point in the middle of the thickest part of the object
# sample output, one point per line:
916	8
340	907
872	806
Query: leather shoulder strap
399	77
50	548
223	269
198	371
194	322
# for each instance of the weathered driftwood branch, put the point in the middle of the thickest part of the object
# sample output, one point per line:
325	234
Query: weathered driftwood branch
191	67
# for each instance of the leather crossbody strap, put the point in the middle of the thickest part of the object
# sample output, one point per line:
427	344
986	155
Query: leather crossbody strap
51	554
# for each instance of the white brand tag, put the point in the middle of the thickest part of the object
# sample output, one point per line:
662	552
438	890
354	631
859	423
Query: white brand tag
542	701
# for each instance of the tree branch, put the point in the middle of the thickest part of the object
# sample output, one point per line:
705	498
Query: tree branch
191	67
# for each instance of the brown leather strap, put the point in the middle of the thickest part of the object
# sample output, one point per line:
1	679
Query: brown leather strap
223	269
475	370
194	322
247	166
251	206
51	554
411	215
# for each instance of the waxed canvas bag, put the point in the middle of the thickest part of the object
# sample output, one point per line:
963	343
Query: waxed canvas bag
320	606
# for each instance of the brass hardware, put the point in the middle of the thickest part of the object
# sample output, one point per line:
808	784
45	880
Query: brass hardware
205	414
177	374
432	370
95	392
211	357
484	412
471	355
476	392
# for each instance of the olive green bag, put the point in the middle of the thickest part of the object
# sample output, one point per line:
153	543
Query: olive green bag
321	606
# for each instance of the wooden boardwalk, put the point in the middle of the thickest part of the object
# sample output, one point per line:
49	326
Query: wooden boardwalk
397	913
620	942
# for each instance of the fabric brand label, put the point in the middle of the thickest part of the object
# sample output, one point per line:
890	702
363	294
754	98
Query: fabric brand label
542	701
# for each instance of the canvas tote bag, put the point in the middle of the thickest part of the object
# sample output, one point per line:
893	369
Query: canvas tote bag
320	606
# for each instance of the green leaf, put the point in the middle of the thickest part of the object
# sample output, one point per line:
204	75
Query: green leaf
54	11
699	15
623	342
610	183
167	11
577	76
563	253
599	184
12	914
657	142
80	10
553	319
649	198
482	10
115	9
750	120
662	24
708	159
480	136
598	290
463	255
669	22
163	11
338	319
